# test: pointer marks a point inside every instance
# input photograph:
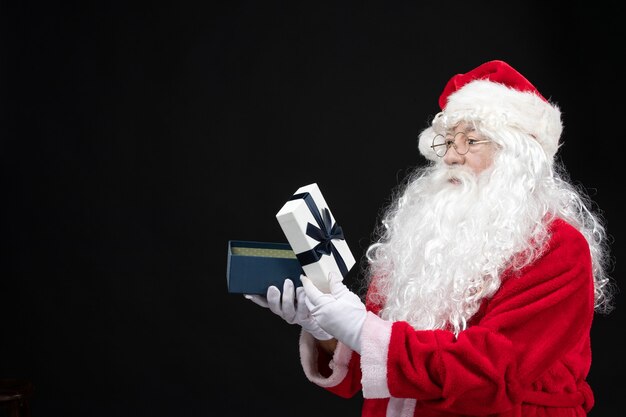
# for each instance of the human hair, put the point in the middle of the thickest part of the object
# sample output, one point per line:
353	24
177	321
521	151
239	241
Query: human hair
439	250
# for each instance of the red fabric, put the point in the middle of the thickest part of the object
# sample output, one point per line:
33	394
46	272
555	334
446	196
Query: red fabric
495	71
526	353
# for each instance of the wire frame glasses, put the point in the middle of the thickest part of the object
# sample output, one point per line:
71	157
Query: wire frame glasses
461	142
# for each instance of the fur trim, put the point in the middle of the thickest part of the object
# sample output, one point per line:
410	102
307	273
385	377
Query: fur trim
375	340
497	105
309	357
401	407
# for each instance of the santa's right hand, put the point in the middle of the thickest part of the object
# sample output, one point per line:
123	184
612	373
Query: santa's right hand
291	307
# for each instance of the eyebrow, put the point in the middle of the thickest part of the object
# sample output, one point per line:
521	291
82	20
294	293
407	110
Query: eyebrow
468	129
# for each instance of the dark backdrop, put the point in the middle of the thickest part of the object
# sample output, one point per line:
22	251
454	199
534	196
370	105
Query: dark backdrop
137	140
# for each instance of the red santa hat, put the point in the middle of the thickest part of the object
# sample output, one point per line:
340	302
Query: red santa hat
496	94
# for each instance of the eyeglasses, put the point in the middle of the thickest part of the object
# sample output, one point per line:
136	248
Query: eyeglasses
461	142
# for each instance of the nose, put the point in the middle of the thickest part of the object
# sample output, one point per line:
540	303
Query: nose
452	157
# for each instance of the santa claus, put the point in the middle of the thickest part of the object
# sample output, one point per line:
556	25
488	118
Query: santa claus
484	276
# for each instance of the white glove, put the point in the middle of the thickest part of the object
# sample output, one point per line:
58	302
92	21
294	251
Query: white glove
297	313
340	313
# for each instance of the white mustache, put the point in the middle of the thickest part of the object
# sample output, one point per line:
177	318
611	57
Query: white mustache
459	173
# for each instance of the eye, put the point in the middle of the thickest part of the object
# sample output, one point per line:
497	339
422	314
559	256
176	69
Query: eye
471	141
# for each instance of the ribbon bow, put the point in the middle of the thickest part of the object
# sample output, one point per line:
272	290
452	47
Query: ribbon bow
325	232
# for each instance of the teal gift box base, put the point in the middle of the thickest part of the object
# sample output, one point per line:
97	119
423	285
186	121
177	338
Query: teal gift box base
252	267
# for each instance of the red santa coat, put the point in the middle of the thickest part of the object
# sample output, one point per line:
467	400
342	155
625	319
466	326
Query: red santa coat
525	353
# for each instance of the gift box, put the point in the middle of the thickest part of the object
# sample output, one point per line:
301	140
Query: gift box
252	267
317	240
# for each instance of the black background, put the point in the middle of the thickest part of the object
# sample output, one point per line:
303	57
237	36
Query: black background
136	140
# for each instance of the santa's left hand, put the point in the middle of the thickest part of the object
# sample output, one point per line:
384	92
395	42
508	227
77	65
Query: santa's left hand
340	313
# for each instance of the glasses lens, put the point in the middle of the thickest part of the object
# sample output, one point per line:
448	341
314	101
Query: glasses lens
439	145
461	142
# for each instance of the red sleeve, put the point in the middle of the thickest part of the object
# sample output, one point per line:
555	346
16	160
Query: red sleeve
536	317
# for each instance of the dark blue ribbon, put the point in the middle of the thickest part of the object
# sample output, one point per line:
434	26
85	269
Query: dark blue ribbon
324	233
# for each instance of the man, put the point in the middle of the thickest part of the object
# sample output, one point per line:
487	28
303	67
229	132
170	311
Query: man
483	278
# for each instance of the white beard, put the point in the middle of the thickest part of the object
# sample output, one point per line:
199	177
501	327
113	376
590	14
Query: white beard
446	245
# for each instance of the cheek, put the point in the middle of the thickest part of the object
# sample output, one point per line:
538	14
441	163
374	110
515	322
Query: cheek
486	161
481	162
